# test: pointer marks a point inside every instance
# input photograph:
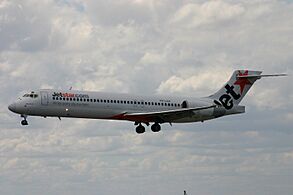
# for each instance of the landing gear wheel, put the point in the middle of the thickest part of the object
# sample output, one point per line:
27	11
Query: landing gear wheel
140	129
156	127
24	122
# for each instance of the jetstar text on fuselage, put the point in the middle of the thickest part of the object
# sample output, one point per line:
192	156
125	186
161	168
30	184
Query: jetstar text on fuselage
69	95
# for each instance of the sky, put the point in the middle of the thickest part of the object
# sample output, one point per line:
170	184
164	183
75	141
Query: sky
171	47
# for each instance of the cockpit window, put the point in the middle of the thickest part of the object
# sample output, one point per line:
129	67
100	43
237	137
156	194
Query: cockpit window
31	95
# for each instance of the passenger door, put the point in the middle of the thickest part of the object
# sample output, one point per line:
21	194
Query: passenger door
44	98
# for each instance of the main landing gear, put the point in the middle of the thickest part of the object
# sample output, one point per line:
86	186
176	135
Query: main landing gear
140	129
156	127
24	121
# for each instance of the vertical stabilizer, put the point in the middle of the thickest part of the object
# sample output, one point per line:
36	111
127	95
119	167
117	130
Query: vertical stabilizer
236	88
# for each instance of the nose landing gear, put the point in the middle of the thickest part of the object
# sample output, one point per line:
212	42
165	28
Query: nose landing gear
24	121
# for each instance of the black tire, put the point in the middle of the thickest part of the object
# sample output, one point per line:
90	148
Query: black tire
140	129
156	127
24	122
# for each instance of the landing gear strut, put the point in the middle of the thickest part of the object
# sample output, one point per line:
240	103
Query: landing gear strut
140	129
156	127
24	121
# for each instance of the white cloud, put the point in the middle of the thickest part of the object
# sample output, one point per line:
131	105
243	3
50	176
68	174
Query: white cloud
147	47
194	15
202	83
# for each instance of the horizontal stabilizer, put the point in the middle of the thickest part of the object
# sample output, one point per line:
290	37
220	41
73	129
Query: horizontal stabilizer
259	76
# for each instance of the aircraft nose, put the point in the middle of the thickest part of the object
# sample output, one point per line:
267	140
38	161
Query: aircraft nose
12	107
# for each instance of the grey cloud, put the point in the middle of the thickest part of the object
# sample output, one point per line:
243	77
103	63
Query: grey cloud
140	47
23	28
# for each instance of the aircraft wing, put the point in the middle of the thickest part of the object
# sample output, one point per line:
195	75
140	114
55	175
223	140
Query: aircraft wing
163	116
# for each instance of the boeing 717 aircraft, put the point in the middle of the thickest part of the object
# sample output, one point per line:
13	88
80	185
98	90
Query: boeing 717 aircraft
142	110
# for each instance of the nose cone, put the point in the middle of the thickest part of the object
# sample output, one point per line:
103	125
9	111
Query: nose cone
12	107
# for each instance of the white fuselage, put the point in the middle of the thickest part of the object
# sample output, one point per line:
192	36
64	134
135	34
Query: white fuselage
140	109
100	105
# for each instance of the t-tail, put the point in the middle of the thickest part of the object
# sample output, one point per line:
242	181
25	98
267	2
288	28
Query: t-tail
236	88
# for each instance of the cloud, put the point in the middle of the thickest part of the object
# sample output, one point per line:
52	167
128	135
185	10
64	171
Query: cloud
185	48
194	15
203	81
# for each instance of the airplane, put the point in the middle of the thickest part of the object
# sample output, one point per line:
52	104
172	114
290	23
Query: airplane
142	110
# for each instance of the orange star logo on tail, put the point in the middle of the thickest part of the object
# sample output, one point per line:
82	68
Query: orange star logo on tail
242	81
